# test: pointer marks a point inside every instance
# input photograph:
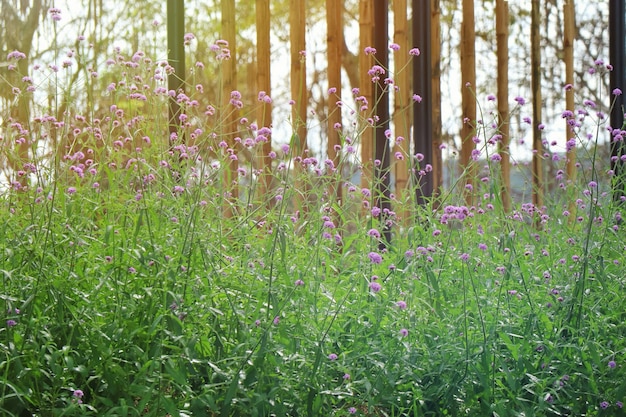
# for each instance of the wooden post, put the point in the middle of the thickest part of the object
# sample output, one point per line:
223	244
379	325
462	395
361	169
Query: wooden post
402	104
568	57
502	36
435	54
617	53
535	85
263	83
334	39
381	106
468	86
422	85
366	39
229	84
175	56
299	92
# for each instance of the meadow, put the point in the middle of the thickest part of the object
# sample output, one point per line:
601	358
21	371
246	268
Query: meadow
140	278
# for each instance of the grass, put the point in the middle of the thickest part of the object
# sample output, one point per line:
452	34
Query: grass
135	283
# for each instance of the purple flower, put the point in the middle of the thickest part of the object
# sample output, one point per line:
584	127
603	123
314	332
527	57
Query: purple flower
373	233
612	364
404	332
414	52
604	405
369	50
78	394
11	323
352	410
332	357
299	283
346	377
375	257
375	286
401	305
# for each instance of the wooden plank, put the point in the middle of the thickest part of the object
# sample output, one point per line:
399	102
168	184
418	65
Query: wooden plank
468	85
299	91
334	41
502	39
535	86
229	84
366	39
402	119
263	83
569	33
435	53
381	110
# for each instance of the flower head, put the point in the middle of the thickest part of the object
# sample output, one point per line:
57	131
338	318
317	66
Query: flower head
375	287
375	257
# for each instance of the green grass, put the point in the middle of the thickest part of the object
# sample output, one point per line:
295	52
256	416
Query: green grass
145	295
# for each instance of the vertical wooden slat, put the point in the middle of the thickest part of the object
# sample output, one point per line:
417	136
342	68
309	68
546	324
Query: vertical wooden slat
297	25
435	45
334	39
568	57
299	92
381	106
263	83
617	54
402	103
535	85
468	85
176	56
502	38
229	84
422	111
366	38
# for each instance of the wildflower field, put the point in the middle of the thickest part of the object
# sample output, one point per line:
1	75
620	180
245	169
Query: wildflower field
141	278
